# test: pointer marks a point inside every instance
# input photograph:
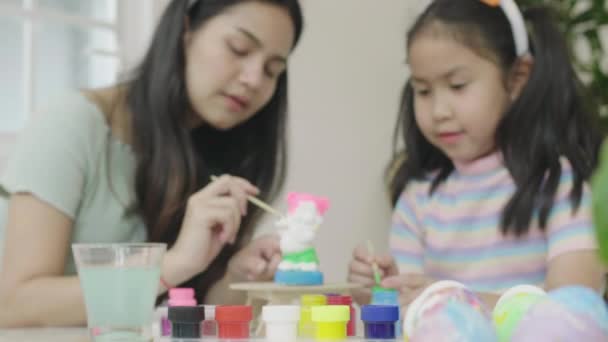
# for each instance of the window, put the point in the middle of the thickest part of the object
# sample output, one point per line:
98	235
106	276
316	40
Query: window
50	46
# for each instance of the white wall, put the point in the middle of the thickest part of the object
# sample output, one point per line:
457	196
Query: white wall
346	77
136	23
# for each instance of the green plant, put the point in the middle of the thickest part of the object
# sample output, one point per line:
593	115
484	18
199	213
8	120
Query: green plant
600	197
583	22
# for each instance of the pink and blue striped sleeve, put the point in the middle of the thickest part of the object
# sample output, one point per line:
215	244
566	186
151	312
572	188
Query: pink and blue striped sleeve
570	230
406	237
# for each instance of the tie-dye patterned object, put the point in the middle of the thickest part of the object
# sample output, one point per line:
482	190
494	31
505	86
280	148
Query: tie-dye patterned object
567	314
512	306
433	300
454	321
582	300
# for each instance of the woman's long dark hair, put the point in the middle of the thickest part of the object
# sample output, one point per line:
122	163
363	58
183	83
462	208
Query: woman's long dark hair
549	119
174	161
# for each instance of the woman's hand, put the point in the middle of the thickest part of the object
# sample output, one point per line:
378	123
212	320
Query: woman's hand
212	219
257	261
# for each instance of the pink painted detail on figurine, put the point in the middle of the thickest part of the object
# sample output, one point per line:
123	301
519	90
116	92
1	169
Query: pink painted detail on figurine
294	199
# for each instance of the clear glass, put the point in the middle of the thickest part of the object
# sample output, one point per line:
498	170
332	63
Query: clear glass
12	97
119	283
96	9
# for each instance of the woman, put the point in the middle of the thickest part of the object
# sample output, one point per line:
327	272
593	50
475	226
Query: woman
133	162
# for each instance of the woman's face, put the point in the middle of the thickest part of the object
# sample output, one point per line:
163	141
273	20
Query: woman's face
234	60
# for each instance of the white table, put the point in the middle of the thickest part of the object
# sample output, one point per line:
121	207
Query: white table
45	335
81	335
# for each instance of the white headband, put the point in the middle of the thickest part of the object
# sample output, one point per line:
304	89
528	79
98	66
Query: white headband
518	25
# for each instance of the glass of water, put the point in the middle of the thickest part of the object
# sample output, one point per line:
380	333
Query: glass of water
120	283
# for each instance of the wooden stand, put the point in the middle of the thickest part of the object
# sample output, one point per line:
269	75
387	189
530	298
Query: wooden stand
259	294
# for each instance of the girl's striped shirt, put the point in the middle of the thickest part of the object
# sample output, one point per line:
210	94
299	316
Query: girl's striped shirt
455	232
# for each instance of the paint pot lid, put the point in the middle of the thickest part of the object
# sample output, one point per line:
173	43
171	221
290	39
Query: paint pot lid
186	314
384	296
233	313
281	313
209	312
330	313
339	300
313	299
379	313
181	293
182	296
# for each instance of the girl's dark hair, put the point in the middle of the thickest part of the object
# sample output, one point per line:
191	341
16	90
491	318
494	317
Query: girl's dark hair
173	161
549	119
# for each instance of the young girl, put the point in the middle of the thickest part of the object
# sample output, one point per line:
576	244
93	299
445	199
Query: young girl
133	163
499	147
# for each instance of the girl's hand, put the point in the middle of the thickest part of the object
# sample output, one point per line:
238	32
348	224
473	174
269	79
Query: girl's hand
212	219
257	261
361	272
409	285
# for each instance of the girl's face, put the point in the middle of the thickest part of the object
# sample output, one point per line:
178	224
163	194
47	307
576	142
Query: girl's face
459	96
234	60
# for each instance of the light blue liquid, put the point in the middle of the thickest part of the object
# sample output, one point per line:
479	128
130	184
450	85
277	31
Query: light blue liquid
120	299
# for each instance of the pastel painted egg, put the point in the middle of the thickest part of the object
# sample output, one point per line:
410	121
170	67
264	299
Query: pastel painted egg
454	321
512	306
434	298
582	301
548	320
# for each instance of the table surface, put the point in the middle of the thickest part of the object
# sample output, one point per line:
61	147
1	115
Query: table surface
81	335
271	286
